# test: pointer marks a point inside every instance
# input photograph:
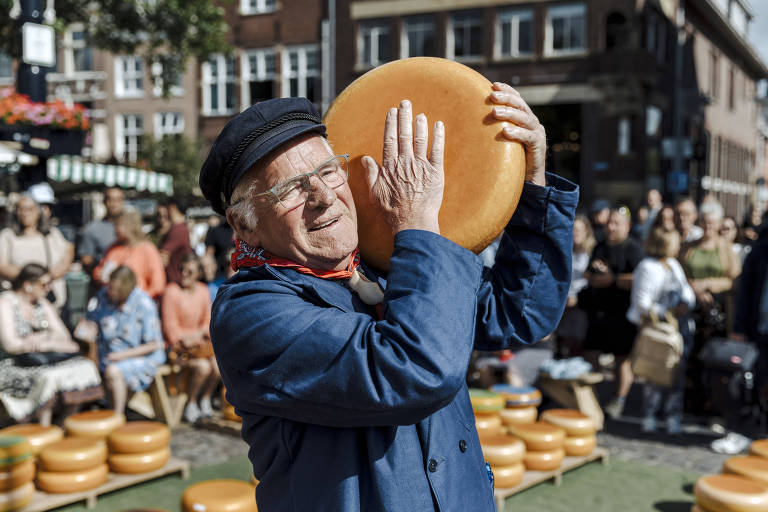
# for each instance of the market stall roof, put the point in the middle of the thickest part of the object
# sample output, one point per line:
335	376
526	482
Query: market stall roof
10	155
78	171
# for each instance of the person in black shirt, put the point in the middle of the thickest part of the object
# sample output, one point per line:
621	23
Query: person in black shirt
218	243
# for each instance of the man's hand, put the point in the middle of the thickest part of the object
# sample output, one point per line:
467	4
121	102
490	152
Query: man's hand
408	186
526	130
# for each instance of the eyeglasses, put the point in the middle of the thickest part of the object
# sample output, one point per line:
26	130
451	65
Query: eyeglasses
294	192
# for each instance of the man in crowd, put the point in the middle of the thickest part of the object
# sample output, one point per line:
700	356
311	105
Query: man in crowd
98	235
686	215
598	216
219	243
354	397
175	243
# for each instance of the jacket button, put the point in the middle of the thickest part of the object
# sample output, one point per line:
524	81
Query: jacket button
432	466
463	446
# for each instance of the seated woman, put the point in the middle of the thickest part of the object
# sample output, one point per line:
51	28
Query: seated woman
186	310
129	338
36	369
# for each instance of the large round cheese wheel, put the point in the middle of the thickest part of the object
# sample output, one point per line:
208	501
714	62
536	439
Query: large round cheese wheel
93	424
17	475
696	508
72	481
228	412
730	493
539	436
484	172
487	425
37	435
485	402
544	460
73	454
139	462
515	415
502	450
578	446
219	496
753	467
17	498
14	449
572	421
139	437
505	477
759	448
515	396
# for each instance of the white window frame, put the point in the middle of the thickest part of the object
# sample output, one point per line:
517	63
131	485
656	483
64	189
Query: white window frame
372	30
222	79
513	16
564	11
624	136
258	7
408	24
69	45
302	74
126	83
121	133
168	123
157	85
261	74
467	25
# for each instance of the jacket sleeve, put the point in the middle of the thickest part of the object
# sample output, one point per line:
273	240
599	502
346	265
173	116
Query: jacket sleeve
282	355
522	297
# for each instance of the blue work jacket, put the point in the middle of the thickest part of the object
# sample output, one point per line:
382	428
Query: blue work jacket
344	411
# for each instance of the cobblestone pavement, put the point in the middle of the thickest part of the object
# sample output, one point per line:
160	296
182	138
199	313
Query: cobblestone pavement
205	447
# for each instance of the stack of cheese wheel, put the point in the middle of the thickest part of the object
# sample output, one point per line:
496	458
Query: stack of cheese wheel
759	448
139	447
37	435
520	403
227	409
93	424
750	466
543	443
72	465
219	496
505	455
486	405
730	493
579	428
17	471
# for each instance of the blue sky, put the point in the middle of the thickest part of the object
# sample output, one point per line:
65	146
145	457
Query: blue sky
758	32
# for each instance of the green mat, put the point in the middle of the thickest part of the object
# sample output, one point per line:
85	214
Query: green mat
625	486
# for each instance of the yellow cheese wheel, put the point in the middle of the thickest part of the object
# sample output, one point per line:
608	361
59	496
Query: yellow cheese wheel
487	425
17	498
515	396
505	477
37	435
753	467
696	508
139	437
502	450
14	449
578	446
139	462
515	415
73	454
485	402
93	424
730	493
572	421
480	194
254	481
228	412
72	481
759	448
544	460
539	436
219	496
17	475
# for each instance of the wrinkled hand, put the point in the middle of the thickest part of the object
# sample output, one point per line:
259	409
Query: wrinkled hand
526	129
408	186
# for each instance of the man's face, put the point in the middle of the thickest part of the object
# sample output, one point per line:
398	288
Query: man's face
320	233
653	198
113	200
686	215
617	229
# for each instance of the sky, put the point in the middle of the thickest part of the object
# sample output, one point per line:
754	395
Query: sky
758	31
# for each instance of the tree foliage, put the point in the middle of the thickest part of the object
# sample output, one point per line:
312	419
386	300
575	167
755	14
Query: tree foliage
167	32
179	156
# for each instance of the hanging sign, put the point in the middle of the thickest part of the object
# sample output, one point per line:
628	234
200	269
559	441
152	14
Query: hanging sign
39	45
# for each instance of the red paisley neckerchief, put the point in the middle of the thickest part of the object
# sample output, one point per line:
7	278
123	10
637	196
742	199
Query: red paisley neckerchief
248	256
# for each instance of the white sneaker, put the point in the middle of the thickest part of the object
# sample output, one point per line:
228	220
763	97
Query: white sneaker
191	412
731	444
206	409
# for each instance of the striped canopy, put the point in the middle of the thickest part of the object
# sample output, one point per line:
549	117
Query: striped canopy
65	168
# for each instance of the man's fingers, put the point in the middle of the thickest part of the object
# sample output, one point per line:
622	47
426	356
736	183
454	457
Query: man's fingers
516	116
371	173
438	146
420	137
506	95
389	155
520	134
405	129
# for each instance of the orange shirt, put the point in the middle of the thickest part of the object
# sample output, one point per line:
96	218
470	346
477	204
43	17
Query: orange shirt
184	312
145	261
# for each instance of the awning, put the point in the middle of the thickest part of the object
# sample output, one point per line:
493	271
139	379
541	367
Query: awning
75	170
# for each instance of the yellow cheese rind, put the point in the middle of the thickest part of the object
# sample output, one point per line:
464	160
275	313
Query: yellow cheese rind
139	437
64	482
505	477
14	449
93	424
544	460
222	495
502	450
228	412
73	454
517	415
578	446
17	475
487	425
37	435
17	498
539	436
572	421
751	466
139	462
759	448
730	493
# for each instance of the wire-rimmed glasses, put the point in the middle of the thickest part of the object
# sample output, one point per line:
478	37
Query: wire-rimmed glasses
293	192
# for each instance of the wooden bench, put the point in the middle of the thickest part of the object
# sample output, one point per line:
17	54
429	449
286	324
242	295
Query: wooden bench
157	402
578	393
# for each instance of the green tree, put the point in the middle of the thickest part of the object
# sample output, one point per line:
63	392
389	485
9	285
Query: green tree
179	156
168	32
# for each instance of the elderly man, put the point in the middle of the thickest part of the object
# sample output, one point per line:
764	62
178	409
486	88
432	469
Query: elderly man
351	385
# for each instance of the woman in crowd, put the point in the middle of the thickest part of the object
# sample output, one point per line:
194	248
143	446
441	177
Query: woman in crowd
659	286
39	366
132	250
729	230
33	240
129	338
665	218
186	311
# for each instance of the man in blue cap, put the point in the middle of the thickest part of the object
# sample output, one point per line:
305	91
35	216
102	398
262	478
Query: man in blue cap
351	385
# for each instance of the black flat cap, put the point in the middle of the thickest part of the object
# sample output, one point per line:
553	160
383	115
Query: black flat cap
248	138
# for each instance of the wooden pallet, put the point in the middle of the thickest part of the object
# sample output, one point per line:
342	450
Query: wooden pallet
217	423
46	501
531	478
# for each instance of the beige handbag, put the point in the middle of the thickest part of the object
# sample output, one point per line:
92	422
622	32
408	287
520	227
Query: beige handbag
657	351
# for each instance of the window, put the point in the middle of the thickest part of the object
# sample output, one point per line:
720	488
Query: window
177	85
301	72
257	6
714	74
616	33
466	37
82	54
128	132
418	38
514	33
732	88
219	86
373	43
6	66
168	123
566	30
129	77
258	75
624	145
